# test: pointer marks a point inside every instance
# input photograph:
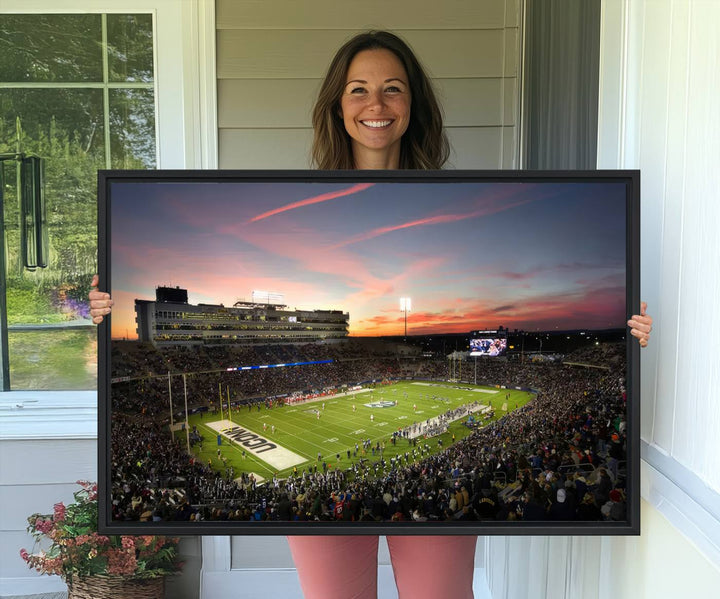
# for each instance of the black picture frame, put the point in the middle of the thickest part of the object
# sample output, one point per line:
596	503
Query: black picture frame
112	182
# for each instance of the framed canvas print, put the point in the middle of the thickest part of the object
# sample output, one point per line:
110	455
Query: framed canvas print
369	352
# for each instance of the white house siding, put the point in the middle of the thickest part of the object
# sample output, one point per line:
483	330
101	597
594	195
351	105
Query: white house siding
271	57
658	112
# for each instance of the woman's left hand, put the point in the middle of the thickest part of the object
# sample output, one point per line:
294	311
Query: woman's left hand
641	325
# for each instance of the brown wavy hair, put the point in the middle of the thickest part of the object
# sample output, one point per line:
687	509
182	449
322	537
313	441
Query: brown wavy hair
423	146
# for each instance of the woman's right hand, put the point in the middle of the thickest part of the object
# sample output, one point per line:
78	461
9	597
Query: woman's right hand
100	302
641	325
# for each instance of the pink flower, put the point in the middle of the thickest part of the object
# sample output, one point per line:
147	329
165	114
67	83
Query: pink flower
53	566
44	526
89	488
121	562
59	512
128	543
73	554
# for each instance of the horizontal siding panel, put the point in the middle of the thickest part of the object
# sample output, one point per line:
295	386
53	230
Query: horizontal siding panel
275	103
52	461
471	148
19	501
369	14
510	148
512	13
12	565
306	54
512	52
510	95
259	103
265	148
472	102
475	147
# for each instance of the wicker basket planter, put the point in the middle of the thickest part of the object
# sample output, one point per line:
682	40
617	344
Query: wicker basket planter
116	587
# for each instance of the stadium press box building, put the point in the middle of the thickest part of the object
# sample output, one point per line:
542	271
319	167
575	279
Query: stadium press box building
171	321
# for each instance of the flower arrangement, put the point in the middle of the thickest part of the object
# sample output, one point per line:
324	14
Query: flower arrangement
77	550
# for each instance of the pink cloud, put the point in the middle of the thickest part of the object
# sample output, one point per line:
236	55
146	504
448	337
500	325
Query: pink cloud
382	287
494	208
314	200
316	251
309	252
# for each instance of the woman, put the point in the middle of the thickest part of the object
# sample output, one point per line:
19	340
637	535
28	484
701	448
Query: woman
377	110
363	118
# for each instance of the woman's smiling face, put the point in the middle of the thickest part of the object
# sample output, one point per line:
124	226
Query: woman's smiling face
375	107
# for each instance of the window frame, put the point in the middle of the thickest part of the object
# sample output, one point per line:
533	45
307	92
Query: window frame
186	137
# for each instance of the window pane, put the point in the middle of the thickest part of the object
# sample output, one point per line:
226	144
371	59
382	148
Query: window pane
38	48
48	117
57	359
52	342
132	128
65	128
130	48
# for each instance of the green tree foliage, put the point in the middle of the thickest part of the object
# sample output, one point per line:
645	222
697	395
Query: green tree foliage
66	127
38	48
71	198
62	116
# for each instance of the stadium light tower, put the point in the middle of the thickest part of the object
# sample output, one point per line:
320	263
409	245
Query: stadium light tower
405	306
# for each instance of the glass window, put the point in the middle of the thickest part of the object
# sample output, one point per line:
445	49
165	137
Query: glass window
132	128
44	48
130	48
77	91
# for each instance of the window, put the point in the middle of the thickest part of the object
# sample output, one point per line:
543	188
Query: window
78	91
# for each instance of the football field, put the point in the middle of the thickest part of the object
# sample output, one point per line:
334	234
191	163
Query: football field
295	437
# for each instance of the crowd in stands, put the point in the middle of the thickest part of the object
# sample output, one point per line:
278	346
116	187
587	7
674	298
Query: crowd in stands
147	388
559	457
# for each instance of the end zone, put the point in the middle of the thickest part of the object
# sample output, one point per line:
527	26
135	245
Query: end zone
278	457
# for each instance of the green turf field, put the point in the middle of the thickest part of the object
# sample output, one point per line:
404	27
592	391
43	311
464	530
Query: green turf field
339	428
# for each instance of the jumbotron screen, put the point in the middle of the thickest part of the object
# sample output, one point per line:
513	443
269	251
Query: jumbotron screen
488	346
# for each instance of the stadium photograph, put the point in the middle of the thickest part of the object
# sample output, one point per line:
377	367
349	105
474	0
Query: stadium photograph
367	352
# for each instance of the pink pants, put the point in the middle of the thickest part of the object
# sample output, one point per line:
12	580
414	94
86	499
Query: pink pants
345	567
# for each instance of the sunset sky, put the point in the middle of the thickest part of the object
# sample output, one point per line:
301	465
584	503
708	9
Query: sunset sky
538	256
